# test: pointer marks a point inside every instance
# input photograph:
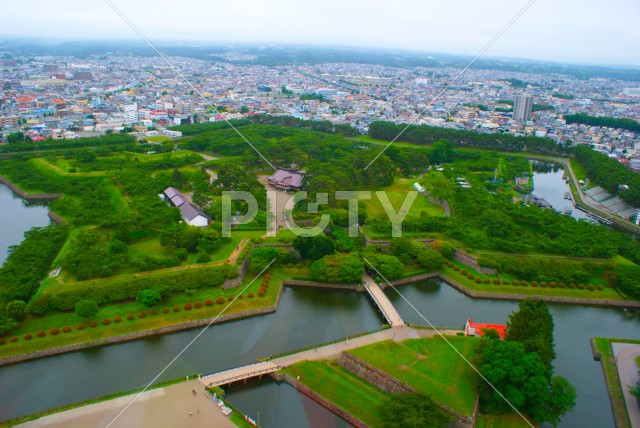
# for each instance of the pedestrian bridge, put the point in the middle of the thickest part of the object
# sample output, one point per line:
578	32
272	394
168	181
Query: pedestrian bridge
382	302
239	373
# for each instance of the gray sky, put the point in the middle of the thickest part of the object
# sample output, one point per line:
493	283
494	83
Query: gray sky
589	31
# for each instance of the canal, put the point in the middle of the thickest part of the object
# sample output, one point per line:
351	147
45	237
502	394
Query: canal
548	184
305	317
16	217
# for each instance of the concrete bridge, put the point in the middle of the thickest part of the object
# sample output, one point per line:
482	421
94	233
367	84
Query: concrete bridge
239	373
321	352
382	301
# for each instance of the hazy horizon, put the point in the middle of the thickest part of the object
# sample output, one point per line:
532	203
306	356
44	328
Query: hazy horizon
572	32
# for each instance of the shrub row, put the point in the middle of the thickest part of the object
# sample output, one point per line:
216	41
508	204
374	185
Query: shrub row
522	283
125	289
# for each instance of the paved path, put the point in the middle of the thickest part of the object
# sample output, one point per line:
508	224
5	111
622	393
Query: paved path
382	301
163	407
628	373
326	352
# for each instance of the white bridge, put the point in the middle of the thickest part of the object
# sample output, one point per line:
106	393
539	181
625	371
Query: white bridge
239	373
382	302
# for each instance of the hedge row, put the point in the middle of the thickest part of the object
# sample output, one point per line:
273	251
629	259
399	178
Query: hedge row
117	319
522	283
119	290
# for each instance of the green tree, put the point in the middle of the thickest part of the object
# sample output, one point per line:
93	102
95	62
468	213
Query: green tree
149	297
413	411
338	268
86	308
532	325
438	185
430	259
315	247
17	310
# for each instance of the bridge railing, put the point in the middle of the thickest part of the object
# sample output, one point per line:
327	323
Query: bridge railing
242	376
375	300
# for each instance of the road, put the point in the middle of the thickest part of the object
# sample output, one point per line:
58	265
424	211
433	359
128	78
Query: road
628	373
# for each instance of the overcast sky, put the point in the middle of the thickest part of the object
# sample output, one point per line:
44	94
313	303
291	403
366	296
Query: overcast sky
587	31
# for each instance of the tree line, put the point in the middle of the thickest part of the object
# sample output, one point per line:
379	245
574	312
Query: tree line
609	122
609	173
425	134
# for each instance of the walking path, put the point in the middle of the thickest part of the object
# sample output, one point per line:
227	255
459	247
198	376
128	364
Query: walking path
325	352
382	301
628	373
163	407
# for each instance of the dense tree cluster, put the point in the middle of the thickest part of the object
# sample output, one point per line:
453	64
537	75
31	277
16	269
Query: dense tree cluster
26	266
609	173
547	268
520	368
122	289
261	257
338	268
609	122
113	139
425	134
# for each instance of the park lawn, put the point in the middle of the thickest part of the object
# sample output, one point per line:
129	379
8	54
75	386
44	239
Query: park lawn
368	139
223	161
578	170
150	322
65	171
430	366
284	236
605	294
157	138
502	421
397	192
345	390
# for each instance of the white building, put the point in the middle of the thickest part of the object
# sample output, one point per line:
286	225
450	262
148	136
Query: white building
130	113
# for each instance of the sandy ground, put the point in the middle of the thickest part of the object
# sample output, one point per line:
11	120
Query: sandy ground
162	407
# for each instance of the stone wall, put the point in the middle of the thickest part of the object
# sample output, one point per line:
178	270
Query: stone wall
303	283
53	216
320	400
472	262
242	272
373	375
391	385
25	195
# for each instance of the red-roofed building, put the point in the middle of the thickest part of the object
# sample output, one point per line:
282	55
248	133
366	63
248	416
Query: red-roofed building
476	329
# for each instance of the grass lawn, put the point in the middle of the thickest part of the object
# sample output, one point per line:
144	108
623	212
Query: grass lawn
397	192
430	366
157	139
368	139
606	293
344	389
62	170
501	421
578	170
150	322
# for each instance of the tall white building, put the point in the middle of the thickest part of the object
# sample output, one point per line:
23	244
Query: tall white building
130	113
522	106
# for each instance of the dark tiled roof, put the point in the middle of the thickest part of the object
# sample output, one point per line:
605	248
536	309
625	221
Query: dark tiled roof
171	192
283	177
190	212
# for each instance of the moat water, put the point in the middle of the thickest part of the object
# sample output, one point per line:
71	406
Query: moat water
305	317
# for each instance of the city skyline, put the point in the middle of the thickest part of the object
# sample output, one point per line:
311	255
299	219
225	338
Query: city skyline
549	32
